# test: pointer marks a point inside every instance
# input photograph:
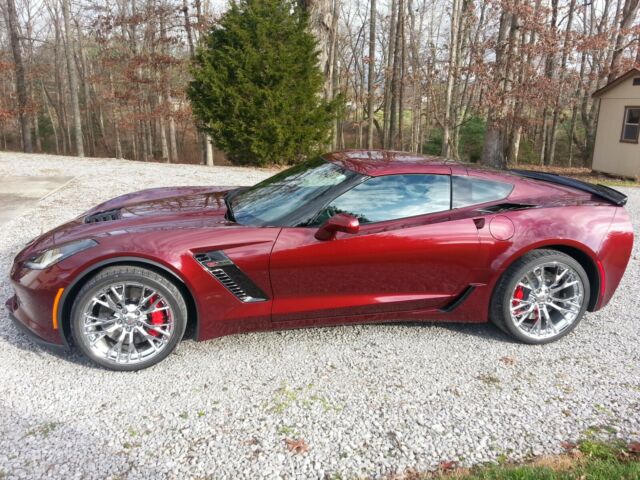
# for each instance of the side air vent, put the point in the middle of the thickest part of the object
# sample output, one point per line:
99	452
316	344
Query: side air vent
505	207
230	276
106	216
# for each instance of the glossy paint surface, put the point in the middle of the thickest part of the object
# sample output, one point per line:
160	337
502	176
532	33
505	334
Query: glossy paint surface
405	269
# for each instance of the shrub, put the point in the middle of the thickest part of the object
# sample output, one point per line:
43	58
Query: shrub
256	84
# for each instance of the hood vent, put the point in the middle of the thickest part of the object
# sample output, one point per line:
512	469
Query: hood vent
106	216
230	276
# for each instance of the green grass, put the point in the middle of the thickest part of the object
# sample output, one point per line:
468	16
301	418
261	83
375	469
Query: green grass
592	460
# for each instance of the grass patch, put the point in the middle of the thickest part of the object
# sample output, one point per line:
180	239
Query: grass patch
44	430
489	379
590	460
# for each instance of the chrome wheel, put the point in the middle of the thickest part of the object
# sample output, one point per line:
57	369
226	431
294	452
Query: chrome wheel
127	323
547	300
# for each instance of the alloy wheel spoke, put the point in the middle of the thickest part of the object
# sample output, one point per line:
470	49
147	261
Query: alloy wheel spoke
516	308
119	296
548	320
524	316
564	286
562	310
153	305
117	323
100	323
554	298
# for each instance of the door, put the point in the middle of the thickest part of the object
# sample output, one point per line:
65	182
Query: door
409	254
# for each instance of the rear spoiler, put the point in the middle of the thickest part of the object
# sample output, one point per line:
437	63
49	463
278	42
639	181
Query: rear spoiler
602	191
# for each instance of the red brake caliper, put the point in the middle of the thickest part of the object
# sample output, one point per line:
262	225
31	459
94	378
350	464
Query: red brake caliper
157	318
517	295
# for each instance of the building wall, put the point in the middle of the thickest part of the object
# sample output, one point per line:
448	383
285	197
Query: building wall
610	154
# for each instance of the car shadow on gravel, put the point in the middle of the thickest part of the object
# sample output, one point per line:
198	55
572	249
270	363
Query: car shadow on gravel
486	331
11	334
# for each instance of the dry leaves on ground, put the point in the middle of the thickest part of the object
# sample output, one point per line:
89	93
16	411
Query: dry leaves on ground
297	446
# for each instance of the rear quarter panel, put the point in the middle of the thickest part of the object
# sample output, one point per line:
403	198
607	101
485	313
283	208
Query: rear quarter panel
615	254
583	227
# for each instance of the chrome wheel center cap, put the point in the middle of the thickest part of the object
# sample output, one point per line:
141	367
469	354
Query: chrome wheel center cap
542	296
130	315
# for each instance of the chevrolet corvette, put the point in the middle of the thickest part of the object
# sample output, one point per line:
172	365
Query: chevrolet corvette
348	237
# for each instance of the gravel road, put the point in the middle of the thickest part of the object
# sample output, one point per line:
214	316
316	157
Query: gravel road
367	401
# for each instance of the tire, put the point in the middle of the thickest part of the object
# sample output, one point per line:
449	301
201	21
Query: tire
128	318
538	312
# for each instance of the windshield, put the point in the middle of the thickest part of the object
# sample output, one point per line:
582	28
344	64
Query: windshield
277	197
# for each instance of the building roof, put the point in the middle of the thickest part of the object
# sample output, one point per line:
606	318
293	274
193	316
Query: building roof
614	83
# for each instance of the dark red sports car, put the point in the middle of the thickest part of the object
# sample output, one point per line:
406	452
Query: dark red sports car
352	237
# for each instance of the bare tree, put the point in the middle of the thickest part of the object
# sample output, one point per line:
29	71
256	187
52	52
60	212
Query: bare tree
371	72
21	82
73	79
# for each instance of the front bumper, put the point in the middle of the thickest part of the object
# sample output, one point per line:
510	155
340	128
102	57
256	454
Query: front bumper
33	329
32	306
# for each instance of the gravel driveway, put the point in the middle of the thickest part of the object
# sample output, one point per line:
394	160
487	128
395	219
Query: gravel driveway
365	400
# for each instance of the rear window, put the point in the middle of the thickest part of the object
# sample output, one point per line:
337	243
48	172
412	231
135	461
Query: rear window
473	191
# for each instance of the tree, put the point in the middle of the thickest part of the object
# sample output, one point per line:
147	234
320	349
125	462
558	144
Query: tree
73	79
21	82
257	87
371	72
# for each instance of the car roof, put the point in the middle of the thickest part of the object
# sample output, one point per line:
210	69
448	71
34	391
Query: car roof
385	162
375	163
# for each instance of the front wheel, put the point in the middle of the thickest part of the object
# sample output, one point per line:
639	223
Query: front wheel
128	318
541	297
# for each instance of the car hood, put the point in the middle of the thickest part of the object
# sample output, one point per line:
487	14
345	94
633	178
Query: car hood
162	202
152	209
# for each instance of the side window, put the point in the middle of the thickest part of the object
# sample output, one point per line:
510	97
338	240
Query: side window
472	191
391	197
631	125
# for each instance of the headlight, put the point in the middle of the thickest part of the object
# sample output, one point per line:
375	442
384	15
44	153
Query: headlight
49	257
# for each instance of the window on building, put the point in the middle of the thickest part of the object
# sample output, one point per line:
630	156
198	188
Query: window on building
631	126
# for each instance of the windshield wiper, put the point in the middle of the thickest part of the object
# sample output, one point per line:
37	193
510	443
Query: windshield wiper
227	201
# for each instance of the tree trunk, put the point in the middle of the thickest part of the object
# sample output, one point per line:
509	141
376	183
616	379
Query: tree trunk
629	13
493	153
557	108
209	151
448	99
388	97
21	81
371	72
320	23
73	80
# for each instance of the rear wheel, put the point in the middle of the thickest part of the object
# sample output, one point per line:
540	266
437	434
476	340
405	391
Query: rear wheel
128	318
541	297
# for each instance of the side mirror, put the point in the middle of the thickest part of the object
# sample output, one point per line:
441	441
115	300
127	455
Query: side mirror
340	222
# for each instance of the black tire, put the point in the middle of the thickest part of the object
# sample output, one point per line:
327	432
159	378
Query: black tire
501	301
126	273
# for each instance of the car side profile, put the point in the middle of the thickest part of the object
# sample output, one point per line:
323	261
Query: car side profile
349	237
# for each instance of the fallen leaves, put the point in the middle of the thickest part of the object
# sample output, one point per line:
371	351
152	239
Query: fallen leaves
297	446
447	465
508	360
634	447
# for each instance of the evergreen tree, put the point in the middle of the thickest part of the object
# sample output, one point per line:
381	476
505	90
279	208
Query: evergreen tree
256	84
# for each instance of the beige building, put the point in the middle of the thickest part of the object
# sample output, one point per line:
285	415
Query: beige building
617	150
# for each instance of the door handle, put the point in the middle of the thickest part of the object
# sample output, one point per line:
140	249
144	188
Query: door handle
479	222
